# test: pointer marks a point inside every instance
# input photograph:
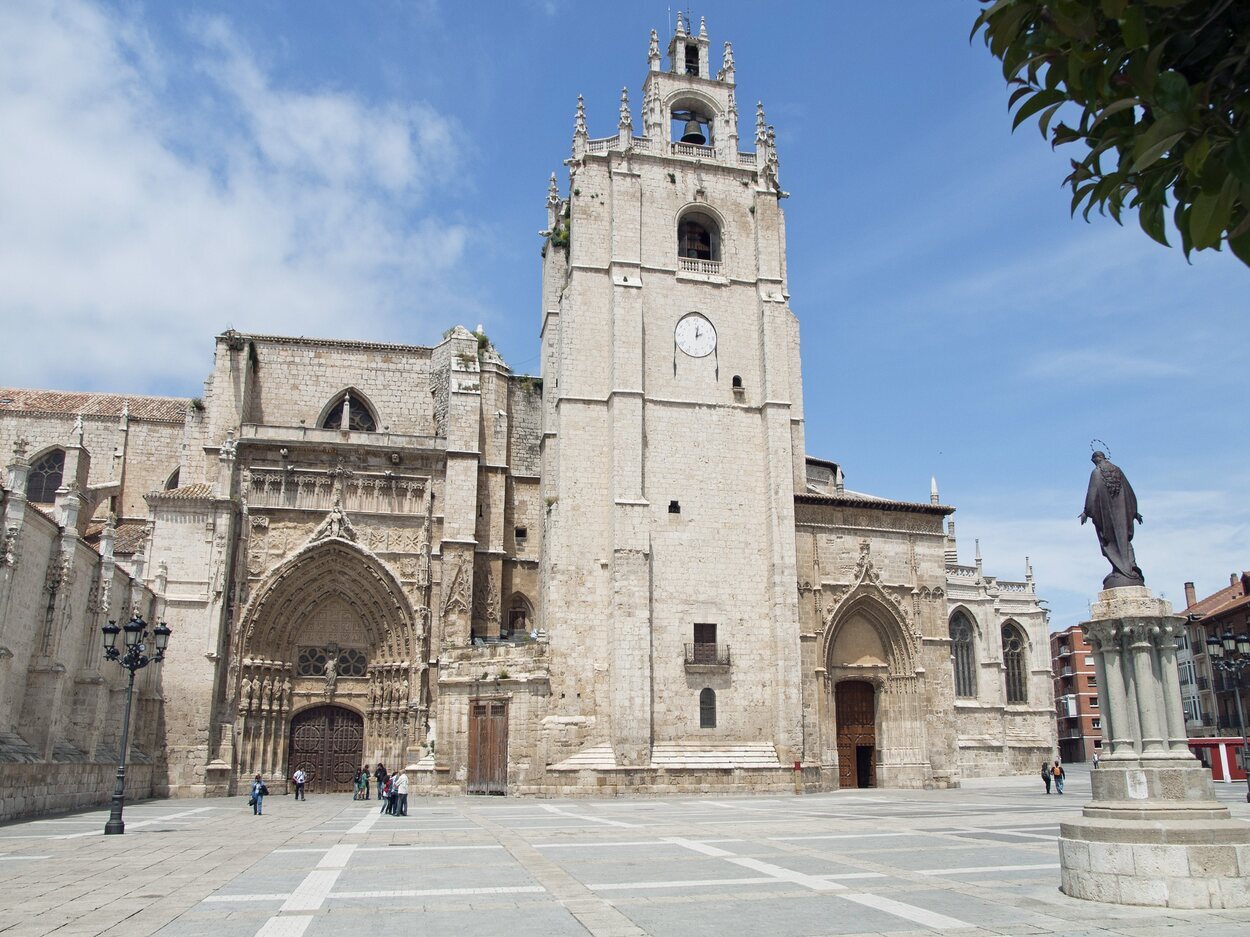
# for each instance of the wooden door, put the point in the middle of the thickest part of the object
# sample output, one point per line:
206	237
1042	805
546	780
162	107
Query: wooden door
855	712
488	747
328	743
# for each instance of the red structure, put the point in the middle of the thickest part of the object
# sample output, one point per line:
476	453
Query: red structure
1222	755
1076	695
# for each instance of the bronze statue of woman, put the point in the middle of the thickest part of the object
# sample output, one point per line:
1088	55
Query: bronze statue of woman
1111	504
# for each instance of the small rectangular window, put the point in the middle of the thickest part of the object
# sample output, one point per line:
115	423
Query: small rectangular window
705	633
521	533
1096	724
1093	701
674	507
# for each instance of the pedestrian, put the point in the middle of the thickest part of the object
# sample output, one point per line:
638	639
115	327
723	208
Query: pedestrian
380	775
1046	775
401	793
1095	761
300	779
1057	772
364	780
258	795
384	795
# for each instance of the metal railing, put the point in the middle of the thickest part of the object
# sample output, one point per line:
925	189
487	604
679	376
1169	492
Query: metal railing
703	653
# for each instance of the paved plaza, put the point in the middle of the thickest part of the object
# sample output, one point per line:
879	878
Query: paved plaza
979	860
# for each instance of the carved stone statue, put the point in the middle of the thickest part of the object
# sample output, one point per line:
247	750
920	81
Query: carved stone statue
265	690
1111	504
332	675
245	695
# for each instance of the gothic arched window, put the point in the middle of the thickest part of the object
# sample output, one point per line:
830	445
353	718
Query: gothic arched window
349	412
963	655
1015	665
707	708
45	477
698	237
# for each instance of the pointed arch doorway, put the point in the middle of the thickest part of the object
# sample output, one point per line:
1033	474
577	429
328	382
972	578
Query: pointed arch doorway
856	719
328	743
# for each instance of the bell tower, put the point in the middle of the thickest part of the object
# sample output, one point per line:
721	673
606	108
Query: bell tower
673	427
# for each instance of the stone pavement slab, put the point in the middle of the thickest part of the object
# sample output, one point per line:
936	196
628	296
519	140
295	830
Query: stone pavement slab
981	861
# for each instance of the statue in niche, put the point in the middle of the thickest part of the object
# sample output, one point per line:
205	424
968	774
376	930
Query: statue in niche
245	695
1111	504
265	690
286	693
332	675
403	692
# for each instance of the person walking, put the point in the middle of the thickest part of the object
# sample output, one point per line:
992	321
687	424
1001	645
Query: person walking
1095	761
401	794
1046	775
1059	776
300	779
384	795
258	796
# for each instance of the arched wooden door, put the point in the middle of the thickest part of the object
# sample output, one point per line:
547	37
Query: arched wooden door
328	743
856	715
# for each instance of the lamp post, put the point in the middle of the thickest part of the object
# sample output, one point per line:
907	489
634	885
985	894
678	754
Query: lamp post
1231	654
134	657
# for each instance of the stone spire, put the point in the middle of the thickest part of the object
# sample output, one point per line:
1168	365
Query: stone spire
626	122
952	550
977	556
653	52
933	490
702	27
580	136
553	203
761	127
727	65
681	25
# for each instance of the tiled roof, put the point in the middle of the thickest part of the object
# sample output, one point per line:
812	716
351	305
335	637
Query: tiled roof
159	409
130	535
855	499
1218	602
199	490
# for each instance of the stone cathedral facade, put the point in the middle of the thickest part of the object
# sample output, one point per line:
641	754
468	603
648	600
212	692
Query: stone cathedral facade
625	575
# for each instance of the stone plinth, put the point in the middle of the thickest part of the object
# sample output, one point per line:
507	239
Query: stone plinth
1153	833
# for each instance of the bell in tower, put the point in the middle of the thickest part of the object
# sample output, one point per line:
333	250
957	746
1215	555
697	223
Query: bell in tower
693	133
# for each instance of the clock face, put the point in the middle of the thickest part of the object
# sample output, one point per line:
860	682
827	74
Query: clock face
696	336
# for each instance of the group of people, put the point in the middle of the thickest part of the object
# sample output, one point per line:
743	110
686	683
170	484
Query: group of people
1053	774
392	789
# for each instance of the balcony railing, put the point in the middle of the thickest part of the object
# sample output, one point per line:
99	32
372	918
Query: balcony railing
695	265
693	149
1204	683
1065	672
702	654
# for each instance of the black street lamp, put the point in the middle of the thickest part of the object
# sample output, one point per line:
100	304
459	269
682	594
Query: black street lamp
1231	654
134	657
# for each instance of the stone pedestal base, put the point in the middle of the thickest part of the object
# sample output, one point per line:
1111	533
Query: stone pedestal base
1166	863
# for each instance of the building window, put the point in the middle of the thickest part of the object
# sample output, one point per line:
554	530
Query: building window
348	662
692	60
1093	701
1093	680
520	533
1015	664
963	655
1089	662
1095	724
707	708
351	413
1097	743
45	477
172	481
704	643
698	237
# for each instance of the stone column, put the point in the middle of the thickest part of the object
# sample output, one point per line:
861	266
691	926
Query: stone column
1153	834
1169	676
1149	692
1116	695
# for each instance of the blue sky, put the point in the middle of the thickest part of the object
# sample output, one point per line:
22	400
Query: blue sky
378	171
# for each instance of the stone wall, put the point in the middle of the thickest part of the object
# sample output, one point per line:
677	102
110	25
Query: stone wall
33	790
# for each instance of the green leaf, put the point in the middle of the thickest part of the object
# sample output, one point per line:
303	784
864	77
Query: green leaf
1238	156
1172	92
1151	219
1113	9
1044	123
1210	216
1240	246
1161	137
1036	103
1112	109
1197	154
1133	28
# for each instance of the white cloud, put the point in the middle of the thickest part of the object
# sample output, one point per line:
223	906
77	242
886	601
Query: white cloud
1088	365
137	219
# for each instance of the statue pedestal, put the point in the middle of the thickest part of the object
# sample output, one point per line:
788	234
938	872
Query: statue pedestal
1153	834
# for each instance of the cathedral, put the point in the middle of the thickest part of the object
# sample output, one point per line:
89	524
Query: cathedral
624	575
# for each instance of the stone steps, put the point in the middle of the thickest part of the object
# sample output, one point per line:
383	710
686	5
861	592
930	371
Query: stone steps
678	756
